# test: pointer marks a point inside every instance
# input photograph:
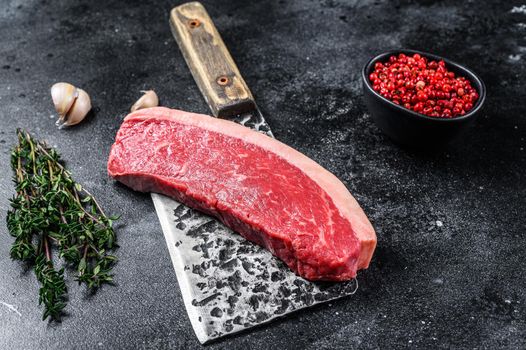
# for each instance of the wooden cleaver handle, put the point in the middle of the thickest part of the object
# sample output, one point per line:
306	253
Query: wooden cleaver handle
213	68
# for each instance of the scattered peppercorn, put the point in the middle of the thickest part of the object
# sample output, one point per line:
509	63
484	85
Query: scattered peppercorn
424	86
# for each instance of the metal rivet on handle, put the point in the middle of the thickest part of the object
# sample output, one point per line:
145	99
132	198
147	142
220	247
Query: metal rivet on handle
194	23
223	80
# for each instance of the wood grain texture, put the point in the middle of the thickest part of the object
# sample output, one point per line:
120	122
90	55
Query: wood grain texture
212	66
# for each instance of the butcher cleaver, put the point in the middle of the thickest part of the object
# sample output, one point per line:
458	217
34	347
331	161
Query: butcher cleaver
228	283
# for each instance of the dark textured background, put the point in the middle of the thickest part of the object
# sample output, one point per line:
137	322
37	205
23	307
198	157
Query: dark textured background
458	285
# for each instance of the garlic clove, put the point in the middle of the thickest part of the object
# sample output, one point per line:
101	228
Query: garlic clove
63	95
149	99
79	109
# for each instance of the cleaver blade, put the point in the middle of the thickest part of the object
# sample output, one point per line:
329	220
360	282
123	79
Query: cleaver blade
228	284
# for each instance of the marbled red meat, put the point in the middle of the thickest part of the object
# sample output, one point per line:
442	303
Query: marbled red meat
266	191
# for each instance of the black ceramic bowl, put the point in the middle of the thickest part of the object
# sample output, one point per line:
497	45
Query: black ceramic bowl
410	128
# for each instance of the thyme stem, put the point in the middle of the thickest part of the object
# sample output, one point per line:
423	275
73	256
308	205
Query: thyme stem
46	247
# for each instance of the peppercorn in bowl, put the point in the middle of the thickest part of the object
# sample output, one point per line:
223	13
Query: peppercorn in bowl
420	99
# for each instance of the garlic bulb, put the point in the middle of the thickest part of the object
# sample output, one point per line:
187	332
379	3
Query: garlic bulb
149	99
72	104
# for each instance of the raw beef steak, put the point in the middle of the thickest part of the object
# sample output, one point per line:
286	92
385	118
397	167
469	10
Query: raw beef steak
268	192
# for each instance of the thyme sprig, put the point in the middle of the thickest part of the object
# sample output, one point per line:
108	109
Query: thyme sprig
51	210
